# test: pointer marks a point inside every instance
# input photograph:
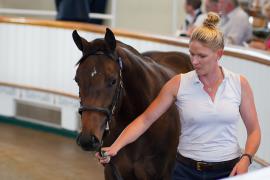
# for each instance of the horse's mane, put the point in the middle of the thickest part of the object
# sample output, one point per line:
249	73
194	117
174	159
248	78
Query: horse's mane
123	45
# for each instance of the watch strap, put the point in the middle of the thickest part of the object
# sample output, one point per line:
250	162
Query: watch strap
249	157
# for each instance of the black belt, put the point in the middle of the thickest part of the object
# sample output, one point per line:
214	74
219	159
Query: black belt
207	166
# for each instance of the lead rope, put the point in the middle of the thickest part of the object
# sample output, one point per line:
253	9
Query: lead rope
115	172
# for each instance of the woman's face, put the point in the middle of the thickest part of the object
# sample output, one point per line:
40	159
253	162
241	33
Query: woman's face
203	58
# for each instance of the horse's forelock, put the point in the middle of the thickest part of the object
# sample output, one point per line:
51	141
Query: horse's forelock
100	45
95	46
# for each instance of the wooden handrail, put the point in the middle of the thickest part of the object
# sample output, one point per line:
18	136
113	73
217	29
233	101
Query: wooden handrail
238	52
261	161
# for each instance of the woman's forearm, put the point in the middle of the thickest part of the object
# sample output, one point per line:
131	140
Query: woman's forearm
253	142
131	132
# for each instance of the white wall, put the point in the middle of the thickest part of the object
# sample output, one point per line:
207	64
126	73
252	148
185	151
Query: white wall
28	4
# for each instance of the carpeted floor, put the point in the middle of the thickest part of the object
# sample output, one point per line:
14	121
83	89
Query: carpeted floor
27	154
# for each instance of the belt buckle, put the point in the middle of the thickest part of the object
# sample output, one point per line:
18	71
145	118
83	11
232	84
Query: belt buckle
200	165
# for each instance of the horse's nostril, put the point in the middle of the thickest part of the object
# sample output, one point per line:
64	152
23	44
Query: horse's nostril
93	139
88	142
78	139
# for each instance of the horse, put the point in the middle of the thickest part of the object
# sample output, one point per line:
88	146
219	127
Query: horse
116	84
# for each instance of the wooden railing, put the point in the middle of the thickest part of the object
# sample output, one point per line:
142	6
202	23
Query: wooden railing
235	51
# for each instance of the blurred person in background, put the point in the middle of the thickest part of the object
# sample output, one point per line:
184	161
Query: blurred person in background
98	6
73	10
264	45
234	23
79	10
193	10
210	6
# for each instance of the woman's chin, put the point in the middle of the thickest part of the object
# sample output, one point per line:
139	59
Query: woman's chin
200	72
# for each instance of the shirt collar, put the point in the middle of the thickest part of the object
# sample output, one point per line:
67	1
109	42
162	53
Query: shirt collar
196	79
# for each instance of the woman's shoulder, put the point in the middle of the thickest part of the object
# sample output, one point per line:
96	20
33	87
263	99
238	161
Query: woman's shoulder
187	78
230	74
189	74
234	79
182	76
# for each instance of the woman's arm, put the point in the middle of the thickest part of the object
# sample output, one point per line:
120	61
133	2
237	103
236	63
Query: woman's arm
135	129
249	116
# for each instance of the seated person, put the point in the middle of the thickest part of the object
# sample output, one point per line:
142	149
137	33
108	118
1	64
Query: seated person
234	23
210	6
193	10
263	45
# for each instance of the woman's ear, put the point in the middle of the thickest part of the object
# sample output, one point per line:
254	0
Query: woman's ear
220	53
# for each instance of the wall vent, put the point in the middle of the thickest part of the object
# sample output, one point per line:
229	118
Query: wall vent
38	112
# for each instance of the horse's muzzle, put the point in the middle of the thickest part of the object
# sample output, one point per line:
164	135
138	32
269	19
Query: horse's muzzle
88	142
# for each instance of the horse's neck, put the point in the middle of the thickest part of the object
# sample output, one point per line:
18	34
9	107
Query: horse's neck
140	74
142	79
142	82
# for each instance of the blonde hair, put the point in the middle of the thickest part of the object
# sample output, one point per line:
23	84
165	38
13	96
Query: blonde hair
208	33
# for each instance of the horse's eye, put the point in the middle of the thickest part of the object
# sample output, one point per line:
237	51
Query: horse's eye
112	82
75	79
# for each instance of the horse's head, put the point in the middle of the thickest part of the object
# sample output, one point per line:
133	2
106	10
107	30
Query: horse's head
100	84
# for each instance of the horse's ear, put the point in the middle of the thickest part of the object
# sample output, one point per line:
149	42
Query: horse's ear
79	41
110	39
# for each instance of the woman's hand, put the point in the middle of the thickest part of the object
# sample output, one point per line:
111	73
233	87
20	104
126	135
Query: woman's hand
103	160
241	167
107	152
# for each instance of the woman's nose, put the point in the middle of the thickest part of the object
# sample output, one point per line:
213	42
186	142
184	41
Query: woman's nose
195	60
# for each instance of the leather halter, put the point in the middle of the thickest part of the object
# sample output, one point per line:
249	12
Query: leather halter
108	111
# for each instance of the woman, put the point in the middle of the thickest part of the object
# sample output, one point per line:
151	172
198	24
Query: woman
210	100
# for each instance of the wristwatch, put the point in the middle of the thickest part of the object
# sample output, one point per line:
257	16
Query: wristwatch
249	157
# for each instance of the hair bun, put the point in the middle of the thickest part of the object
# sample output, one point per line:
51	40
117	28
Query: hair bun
212	20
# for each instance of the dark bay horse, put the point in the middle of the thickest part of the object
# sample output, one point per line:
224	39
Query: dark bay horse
116	84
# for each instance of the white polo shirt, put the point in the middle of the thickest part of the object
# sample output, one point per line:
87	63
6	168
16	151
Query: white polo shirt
209	129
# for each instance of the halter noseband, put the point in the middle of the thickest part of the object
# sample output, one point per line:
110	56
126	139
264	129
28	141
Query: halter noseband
109	111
